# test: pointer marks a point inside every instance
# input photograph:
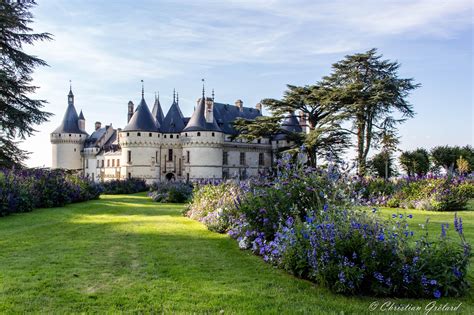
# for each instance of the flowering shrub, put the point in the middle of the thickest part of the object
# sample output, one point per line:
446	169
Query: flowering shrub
302	221
215	205
426	193
25	190
125	186
174	192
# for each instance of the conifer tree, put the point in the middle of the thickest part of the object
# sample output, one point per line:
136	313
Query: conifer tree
19	113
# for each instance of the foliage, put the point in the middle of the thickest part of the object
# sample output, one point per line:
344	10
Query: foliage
214	205
424	193
446	157
462	165
301	221
322	116
370	89
174	192
18	112
382	165
415	162
125	186
28	189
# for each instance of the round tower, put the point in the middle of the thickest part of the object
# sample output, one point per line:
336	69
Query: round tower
68	139
140	142
203	143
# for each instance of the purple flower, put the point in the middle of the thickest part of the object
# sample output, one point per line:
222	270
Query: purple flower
437	294
410	216
433	282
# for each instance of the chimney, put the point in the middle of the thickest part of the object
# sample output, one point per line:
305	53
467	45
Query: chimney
98	124
130	111
259	107
209	114
240	105
303	121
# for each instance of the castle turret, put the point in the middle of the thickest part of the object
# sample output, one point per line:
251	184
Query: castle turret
67	140
82	122
140	142
157	111
203	142
130	111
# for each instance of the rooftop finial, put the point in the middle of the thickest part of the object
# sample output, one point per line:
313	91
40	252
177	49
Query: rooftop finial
177	98
70	86
174	95
158	97
213	95
143	90
203	91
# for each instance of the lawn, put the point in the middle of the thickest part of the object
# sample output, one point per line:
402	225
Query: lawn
126	253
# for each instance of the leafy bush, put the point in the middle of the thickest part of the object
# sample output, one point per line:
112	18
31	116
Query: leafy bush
25	190
126	186
215	205
173	192
301	221
424	193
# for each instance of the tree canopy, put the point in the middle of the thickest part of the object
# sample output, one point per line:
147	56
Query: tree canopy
19	113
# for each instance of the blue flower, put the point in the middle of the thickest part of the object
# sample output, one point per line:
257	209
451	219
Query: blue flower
394	215
437	294
374	210
378	276
410	216
381	237
433	282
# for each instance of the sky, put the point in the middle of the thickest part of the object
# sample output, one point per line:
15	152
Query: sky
249	50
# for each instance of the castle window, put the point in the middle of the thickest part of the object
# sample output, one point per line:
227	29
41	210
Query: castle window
186	134
260	159
213	134
187	156
69	135
149	134
225	173
74	149
118	162
259	141
156	157
177	136
129	158
171	136
129	175
98	163
164	136
102	163
87	163
108	163
128	134
187	177
60	135
242	158
170	154
179	167
198	134
139	134
158	135
113	162
225	157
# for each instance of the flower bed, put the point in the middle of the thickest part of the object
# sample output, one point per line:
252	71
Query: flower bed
25	190
172	192
302	222
126	186
424	193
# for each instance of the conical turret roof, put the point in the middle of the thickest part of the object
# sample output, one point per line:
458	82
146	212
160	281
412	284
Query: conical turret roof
290	124
70	122
142	119
198	120
157	112
174	120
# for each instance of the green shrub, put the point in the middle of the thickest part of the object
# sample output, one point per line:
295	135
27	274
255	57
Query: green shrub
172	192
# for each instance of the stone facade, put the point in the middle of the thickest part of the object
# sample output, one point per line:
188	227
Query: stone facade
155	147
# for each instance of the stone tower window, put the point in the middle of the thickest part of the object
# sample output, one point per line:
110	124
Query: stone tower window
170	154
225	157
260	159
149	134
242	158
129	158
187	156
198	134
171	136
213	134
139	134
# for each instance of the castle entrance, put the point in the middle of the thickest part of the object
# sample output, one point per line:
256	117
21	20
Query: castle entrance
170	176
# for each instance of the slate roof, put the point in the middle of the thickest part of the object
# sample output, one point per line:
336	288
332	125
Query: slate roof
225	114
70	123
290	124
81	116
174	120
157	112
197	122
92	140
142	119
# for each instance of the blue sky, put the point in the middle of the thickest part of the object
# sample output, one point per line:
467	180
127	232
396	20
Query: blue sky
249	50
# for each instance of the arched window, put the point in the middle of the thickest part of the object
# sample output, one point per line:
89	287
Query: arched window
198	134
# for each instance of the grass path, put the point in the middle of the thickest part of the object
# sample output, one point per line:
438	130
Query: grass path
126	253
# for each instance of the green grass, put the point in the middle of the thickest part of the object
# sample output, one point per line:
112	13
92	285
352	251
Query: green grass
126	253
